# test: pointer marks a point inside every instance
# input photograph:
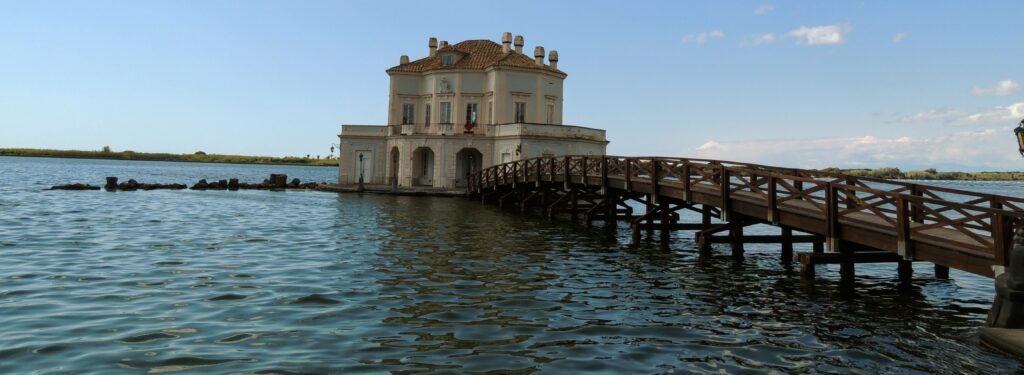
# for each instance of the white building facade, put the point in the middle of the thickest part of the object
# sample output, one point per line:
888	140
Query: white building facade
464	107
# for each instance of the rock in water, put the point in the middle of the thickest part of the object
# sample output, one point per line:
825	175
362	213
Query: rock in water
201	185
279	181
111	184
74	187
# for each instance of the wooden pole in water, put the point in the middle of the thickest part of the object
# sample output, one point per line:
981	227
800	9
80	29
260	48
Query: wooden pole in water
905	268
736	238
787	245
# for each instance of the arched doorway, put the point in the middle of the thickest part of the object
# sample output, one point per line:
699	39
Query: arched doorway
423	167
467	160
393	176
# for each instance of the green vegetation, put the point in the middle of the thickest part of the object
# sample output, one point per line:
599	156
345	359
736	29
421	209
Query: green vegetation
929	174
198	156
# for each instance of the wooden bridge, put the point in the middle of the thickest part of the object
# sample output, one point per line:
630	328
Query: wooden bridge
848	219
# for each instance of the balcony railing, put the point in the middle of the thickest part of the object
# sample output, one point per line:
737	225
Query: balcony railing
436	129
498	130
547	130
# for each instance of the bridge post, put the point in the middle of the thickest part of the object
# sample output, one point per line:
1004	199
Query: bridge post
629	175
567	176
787	245
847	269
604	175
704	246
686	182
736	238
611	214
941	272
611	200
573	202
807	270
904	245
725	185
905	268
818	246
1008	306
666	225
650	207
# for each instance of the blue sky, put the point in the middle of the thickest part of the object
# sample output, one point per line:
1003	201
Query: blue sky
912	84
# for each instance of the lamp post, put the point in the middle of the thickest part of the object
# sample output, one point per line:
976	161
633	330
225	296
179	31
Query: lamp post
360	172
1019	132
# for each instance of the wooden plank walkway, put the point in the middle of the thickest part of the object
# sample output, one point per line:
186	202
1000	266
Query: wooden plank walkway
959	229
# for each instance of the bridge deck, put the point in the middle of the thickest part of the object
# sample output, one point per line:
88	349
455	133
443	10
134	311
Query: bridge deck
965	230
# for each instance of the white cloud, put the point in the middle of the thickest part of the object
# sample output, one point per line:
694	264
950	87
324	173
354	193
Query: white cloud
992	149
764	9
702	37
944	115
766	38
1002	88
821	35
1010	113
996	115
898	37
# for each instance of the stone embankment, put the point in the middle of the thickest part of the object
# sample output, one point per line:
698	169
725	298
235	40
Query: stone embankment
275	182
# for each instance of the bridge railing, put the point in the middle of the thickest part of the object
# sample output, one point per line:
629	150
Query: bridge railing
976	222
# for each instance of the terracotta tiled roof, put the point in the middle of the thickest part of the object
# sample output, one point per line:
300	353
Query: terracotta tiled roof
476	55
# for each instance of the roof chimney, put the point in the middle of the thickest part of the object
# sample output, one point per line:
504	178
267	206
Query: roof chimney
506	42
538	55
444	43
403	60
519	44
433	46
553	58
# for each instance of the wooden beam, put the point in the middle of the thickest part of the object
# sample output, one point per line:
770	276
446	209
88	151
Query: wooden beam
675	226
766	239
858	257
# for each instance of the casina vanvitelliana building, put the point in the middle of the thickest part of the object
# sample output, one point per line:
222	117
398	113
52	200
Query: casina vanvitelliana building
464	107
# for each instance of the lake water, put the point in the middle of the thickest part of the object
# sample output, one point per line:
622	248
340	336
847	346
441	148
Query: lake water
313	282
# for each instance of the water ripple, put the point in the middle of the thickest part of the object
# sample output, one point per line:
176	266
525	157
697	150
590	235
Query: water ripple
258	282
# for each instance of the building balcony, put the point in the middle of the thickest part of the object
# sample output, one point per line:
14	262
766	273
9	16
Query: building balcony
524	129
460	130
436	129
364	130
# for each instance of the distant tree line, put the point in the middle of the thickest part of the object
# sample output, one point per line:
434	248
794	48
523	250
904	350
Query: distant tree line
198	156
929	174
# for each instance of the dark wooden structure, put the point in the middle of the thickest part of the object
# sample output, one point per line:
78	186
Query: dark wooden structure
848	219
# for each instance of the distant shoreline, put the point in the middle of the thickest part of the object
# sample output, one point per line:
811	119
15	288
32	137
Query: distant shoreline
184	158
890	173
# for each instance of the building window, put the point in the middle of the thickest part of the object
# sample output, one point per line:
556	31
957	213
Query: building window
446	112
426	118
490	112
447	60
471	113
551	113
408	114
520	112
